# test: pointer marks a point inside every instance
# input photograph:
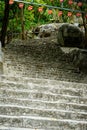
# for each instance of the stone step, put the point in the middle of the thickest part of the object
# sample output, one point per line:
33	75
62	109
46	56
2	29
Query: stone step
36	88
44	104
43	96
65	127
36	71
40	82
39	103
16	110
33	72
39	63
41	122
18	128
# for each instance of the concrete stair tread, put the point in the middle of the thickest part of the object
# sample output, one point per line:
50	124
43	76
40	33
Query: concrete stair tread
16	110
19	92
37	63
9	106
21	79
18	128
16	78
43	119
31	101
37	100
42	124
41	103
44	97
55	92
44	104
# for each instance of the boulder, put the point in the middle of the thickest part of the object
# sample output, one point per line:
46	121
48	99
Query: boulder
80	59
70	35
47	30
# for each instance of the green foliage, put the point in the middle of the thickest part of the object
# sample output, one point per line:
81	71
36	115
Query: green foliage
33	17
1	12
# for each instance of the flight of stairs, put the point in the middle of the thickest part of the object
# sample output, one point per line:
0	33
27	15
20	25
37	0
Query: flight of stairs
29	103
36	101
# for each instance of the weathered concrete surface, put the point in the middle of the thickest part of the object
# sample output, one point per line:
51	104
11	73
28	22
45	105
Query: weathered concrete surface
34	103
31	94
41	59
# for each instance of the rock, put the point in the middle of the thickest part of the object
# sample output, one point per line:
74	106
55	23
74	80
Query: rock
70	36
80	59
47	30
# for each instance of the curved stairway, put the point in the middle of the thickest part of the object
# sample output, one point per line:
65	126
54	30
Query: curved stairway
37	100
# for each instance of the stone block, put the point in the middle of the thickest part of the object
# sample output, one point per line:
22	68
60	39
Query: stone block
80	59
70	35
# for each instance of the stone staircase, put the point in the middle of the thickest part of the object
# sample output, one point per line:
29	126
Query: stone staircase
29	103
43	98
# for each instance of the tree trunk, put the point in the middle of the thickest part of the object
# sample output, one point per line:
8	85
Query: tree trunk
5	23
22	23
86	38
